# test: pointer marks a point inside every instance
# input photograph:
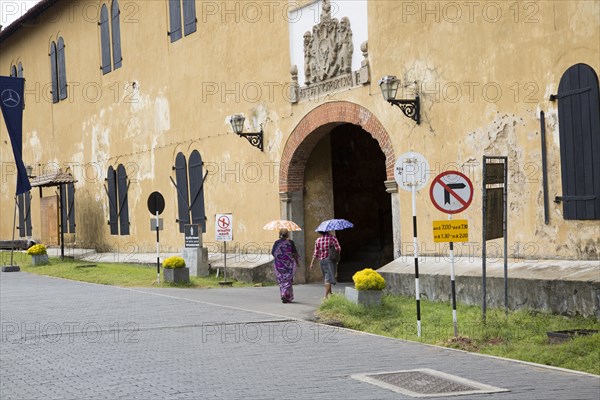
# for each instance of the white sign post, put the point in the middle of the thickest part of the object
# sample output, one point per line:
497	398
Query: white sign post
411	174
451	192
224	233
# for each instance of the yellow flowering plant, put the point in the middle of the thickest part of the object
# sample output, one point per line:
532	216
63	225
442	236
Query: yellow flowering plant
368	279
173	262
37	250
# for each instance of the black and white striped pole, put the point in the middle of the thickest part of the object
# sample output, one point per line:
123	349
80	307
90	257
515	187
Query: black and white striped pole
416	256
453	286
451	192
156	205
411	174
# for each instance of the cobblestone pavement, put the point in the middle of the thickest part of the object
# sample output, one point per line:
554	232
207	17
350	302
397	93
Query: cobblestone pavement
70	340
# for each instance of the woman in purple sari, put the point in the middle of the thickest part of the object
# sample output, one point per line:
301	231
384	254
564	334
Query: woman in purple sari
285	264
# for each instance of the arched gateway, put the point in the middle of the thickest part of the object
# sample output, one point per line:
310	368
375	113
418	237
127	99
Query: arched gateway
325	133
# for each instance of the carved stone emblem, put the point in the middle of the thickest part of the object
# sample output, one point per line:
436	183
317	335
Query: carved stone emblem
328	48
328	51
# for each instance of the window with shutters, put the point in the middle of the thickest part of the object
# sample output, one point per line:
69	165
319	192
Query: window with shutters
117	187
579	132
182	18
58	70
189	184
110	37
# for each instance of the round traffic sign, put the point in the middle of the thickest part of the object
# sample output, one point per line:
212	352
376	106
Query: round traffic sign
156	203
411	169
451	192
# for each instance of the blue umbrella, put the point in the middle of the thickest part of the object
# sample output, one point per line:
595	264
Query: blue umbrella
334	225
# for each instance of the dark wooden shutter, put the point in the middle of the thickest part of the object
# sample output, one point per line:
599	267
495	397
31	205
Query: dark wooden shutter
21	207
105	40
189	16
181	178
63	209
62	70
71	207
579	130
197	190
28	229
175	20
20	75
116	34
122	189
54	72
111	179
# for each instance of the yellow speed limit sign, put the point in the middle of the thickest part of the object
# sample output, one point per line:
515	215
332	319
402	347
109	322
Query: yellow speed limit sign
455	230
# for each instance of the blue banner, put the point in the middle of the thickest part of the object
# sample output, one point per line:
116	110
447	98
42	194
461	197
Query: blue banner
11	102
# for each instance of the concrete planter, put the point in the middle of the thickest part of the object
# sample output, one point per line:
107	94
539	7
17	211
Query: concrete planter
39	259
364	297
177	275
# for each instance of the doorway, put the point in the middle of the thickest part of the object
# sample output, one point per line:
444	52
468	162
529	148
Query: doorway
49	220
306	188
359	195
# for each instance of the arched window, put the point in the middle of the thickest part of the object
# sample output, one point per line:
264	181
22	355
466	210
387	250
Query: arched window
117	188
13	71
58	70
579	130
189	183
110	37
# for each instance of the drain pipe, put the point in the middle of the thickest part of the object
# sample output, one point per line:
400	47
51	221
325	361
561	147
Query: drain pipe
544	170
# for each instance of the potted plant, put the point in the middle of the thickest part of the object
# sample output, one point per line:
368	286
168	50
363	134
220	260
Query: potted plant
368	288
174	270
39	254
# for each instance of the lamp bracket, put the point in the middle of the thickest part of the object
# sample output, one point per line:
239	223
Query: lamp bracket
254	138
410	108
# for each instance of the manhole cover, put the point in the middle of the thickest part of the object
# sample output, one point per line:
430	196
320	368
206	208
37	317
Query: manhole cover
426	382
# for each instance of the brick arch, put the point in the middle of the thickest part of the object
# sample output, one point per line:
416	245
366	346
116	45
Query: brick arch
318	123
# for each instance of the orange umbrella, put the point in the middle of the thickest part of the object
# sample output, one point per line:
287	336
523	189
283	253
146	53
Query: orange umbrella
280	224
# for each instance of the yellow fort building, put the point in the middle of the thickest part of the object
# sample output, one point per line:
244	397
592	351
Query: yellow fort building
126	98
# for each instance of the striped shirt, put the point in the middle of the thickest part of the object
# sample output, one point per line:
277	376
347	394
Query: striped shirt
322	246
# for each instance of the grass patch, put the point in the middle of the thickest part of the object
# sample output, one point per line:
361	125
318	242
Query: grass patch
520	335
115	274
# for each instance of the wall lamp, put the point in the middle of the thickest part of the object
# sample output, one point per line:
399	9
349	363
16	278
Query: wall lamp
389	87
255	138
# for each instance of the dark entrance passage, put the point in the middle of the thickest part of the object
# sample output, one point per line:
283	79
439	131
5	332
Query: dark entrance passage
359	195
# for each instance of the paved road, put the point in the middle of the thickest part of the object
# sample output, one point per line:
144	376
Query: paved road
70	340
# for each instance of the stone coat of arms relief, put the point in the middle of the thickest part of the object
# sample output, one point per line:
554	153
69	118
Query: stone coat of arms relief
328	51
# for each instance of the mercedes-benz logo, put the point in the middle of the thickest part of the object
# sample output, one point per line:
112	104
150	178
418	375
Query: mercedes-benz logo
10	98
